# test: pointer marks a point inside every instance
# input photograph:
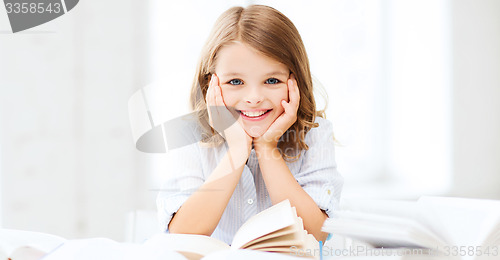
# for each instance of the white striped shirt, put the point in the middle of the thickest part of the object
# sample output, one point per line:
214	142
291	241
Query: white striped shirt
189	166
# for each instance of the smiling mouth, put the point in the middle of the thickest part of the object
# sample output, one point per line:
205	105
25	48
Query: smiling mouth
254	114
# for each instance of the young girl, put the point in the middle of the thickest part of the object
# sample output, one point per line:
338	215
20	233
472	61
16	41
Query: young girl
263	140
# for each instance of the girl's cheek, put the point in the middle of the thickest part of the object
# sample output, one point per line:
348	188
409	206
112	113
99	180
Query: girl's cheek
282	93
229	95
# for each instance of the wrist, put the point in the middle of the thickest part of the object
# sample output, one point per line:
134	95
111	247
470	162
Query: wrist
265	146
266	151
239	151
264	143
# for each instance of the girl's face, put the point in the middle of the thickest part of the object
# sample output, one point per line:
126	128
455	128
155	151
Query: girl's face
253	85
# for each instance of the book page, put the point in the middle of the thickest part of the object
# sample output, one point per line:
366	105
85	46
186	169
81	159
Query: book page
404	212
11	239
297	227
274	218
494	237
104	248
294	239
280	249
198	244
26	253
464	221
309	249
397	208
418	231
383	233
244	254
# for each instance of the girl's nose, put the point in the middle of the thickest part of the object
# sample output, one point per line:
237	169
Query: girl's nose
253	96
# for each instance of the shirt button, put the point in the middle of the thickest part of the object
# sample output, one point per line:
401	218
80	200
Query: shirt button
250	201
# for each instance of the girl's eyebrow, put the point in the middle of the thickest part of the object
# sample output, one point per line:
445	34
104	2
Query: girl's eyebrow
236	74
231	74
278	73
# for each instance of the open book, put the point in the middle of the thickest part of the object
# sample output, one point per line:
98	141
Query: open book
276	229
20	244
455	227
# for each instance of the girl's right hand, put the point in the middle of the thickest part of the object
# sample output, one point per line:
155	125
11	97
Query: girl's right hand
223	121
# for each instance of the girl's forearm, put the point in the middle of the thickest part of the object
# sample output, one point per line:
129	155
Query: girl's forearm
281	185
202	211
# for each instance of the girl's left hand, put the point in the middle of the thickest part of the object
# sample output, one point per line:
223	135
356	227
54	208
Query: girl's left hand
271	137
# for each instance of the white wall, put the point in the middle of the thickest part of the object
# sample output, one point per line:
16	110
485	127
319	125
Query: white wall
455	62
69	166
476	98
418	95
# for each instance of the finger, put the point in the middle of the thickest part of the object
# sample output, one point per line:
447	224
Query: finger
292	105
216	79
293	92
213	86
295	88
219	101
288	107
210	101
220	106
218	94
228	114
210	93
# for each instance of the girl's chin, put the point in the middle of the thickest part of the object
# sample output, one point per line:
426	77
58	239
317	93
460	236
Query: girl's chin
255	131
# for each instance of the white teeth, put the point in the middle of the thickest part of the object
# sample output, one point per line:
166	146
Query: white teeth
254	113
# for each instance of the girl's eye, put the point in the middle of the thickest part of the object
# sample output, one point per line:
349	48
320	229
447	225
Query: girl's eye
272	81
235	82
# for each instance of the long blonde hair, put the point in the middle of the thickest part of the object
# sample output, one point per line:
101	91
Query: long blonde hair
271	33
